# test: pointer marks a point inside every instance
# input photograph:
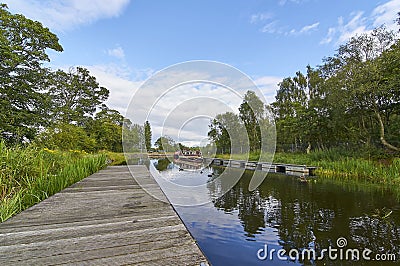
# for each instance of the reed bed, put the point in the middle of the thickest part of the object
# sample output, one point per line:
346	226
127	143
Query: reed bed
29	175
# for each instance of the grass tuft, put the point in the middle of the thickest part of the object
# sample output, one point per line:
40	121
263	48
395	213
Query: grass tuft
30	175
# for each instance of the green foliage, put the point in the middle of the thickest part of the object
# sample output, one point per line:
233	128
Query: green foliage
162	164
115	158
346	164
106	129
29	175
147	135
23	45
133	136
251	112
241	133
351	100
58	107
166	144
66	137
74	95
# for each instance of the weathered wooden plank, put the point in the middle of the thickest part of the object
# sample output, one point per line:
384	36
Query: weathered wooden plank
106	218
27	237
18	227
60	246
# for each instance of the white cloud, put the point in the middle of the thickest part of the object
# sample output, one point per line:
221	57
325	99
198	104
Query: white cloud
117	80
309	27
344	31
283	2
67	14
117	52
271	28
259	17
268	85
360	23
182	112
329	37
386	14
304	30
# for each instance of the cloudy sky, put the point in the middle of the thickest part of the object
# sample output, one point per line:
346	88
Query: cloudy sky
124	42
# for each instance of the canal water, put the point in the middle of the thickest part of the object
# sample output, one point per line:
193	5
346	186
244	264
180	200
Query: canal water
289	222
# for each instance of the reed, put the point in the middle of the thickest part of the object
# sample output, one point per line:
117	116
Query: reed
29	175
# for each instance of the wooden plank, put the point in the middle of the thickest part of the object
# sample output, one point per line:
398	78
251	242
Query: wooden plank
106	218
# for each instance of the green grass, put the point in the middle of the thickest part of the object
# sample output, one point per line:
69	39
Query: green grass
115	158
30	175
252	156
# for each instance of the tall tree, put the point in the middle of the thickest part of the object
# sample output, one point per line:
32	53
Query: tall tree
352	99
367	61
147	135
300	110
132	136
23	45
75	95
106	129
219	133
226	131
251	112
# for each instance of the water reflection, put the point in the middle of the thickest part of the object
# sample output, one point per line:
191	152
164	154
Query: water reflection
286	213
314	214
163	164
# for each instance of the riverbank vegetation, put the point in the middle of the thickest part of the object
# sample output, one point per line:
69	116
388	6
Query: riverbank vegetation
342	116
54	124
30	174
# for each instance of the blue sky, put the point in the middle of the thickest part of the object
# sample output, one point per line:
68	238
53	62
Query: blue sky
123	42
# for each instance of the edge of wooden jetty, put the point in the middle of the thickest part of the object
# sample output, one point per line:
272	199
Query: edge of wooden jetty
288	169
106	218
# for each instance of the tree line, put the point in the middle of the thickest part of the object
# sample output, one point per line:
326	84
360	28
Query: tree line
352	100
243	132
55	109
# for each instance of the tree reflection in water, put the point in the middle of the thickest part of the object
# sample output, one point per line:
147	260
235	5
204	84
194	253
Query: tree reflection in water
314	213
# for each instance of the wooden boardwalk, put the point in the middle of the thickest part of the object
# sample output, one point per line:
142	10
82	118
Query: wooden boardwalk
106	219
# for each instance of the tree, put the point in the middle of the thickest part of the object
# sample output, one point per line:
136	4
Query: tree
165	143
66	137
132	136
369	81
219	135
23	45
75	95
300	110
382	78
251	112
352	99
106	129
226	131
147	135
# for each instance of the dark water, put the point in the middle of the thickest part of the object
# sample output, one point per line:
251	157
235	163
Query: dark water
286	214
